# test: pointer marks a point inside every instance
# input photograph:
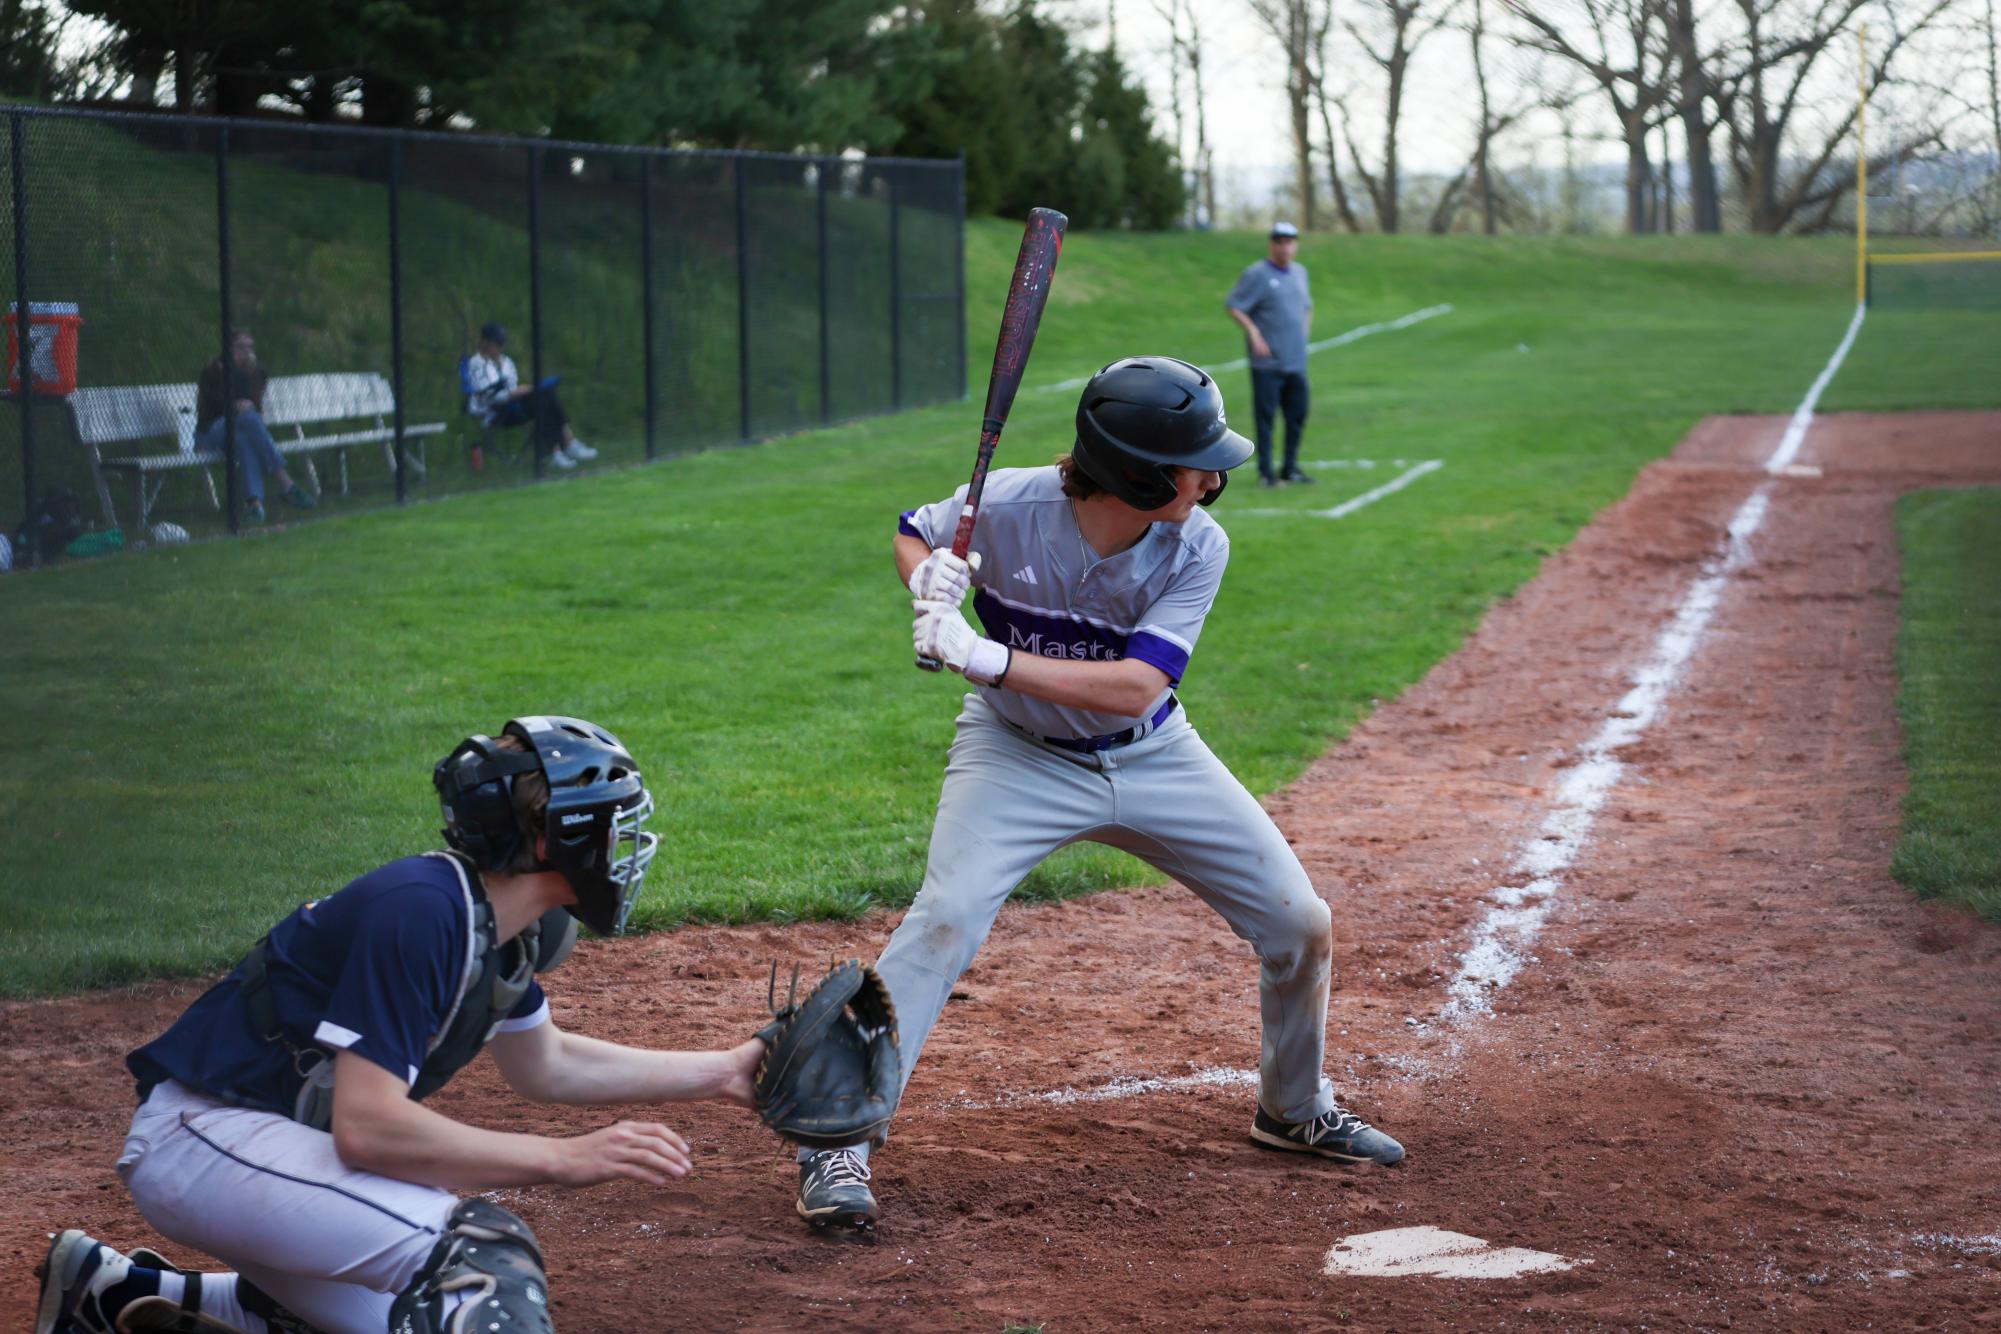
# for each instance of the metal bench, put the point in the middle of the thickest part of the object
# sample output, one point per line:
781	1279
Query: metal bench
122	414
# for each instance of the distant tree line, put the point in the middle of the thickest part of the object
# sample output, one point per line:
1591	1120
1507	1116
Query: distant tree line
1039	118
1740	113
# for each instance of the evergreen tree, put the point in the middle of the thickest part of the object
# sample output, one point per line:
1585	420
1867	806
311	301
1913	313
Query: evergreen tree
1039	121
1147	191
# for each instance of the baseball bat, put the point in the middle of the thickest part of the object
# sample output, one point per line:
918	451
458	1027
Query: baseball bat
1027	294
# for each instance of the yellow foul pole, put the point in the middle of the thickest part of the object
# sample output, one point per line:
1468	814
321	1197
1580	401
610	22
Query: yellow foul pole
1862	166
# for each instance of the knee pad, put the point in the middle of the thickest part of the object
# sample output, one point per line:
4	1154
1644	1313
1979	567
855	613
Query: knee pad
491	1262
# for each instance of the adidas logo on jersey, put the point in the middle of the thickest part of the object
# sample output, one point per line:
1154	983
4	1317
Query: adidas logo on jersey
1026	574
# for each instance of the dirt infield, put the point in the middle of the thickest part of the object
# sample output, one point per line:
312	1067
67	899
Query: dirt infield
1741	1078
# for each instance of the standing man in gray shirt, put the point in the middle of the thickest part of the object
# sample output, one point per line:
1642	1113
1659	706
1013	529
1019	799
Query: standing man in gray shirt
1275	307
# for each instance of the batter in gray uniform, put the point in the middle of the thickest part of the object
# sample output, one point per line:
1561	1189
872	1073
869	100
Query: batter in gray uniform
1091	580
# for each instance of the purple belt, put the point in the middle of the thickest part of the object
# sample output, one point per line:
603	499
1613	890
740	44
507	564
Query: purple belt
1091	745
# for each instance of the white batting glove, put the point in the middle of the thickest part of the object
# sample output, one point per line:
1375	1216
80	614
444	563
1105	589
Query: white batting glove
941	632
943	577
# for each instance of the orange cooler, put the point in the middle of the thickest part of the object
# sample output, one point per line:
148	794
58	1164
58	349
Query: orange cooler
52	333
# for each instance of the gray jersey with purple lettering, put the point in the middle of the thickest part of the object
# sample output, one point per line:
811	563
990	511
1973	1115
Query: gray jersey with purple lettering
1041	589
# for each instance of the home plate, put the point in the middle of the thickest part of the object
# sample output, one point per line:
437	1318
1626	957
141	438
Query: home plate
1419	1251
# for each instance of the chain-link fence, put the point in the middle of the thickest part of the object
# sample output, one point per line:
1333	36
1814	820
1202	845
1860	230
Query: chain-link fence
236	322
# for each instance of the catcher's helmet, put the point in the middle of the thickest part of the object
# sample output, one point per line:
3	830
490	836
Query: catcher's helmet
1144	416
598	804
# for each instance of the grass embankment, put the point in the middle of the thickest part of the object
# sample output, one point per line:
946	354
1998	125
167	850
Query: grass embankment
1948	663
208	735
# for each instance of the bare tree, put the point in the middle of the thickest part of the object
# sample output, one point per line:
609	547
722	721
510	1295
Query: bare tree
1624	49
1204	156
1400	27
1692	105
1326	101
1291	23
1785	184
1492	198
1483	179
1170	14
1994	81
1185	53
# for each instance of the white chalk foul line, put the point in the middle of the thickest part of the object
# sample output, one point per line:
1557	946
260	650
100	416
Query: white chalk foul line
1789	445
1500	939
1325	344
1347	507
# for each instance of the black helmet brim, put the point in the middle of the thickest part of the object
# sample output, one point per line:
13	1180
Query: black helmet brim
1228	451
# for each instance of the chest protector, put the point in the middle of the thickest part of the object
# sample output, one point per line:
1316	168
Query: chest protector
495	978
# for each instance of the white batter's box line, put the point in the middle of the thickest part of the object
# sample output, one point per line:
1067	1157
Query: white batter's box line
1124	1086
1347	507
1324	345
1357	463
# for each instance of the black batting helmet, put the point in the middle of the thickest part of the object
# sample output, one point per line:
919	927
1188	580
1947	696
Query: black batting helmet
598	804
1142	417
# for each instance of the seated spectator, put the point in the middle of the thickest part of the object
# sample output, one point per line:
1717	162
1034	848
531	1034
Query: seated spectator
256	454
495	395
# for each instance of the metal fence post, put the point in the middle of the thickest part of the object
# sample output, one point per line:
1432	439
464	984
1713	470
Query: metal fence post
742	298
24	357
895	296
396	311
535	286
959	269
827	167
234	483
646	288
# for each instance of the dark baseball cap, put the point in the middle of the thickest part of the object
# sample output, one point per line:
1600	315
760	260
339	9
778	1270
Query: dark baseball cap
1284	231
494	332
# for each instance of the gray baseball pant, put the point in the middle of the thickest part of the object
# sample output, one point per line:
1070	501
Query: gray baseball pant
1009	801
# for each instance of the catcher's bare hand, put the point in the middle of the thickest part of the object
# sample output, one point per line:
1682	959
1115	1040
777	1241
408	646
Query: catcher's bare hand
640	1150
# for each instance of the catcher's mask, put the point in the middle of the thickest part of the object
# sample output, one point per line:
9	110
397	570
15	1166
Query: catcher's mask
1141	418
594	825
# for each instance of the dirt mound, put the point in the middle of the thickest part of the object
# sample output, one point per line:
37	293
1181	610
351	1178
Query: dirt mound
1742	1079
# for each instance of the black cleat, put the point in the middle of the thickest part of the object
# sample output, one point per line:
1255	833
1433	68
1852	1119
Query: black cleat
834	1190
1339	1134
1296	477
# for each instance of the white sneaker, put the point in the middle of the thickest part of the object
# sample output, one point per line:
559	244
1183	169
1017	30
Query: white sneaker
581	452
561	460
74	1277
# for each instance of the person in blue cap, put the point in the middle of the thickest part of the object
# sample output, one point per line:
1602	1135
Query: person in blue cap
1274	305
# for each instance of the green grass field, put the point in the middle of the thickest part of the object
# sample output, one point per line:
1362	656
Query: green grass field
1948	663
205	736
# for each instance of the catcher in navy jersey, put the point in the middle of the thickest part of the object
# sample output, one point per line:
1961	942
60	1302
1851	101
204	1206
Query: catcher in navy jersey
281	1127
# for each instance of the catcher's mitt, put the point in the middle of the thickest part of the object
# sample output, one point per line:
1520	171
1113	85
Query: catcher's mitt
831	1073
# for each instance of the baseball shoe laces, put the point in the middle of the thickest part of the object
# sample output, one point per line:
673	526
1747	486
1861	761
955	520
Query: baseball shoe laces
834	1189
845	1167
1336	1133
